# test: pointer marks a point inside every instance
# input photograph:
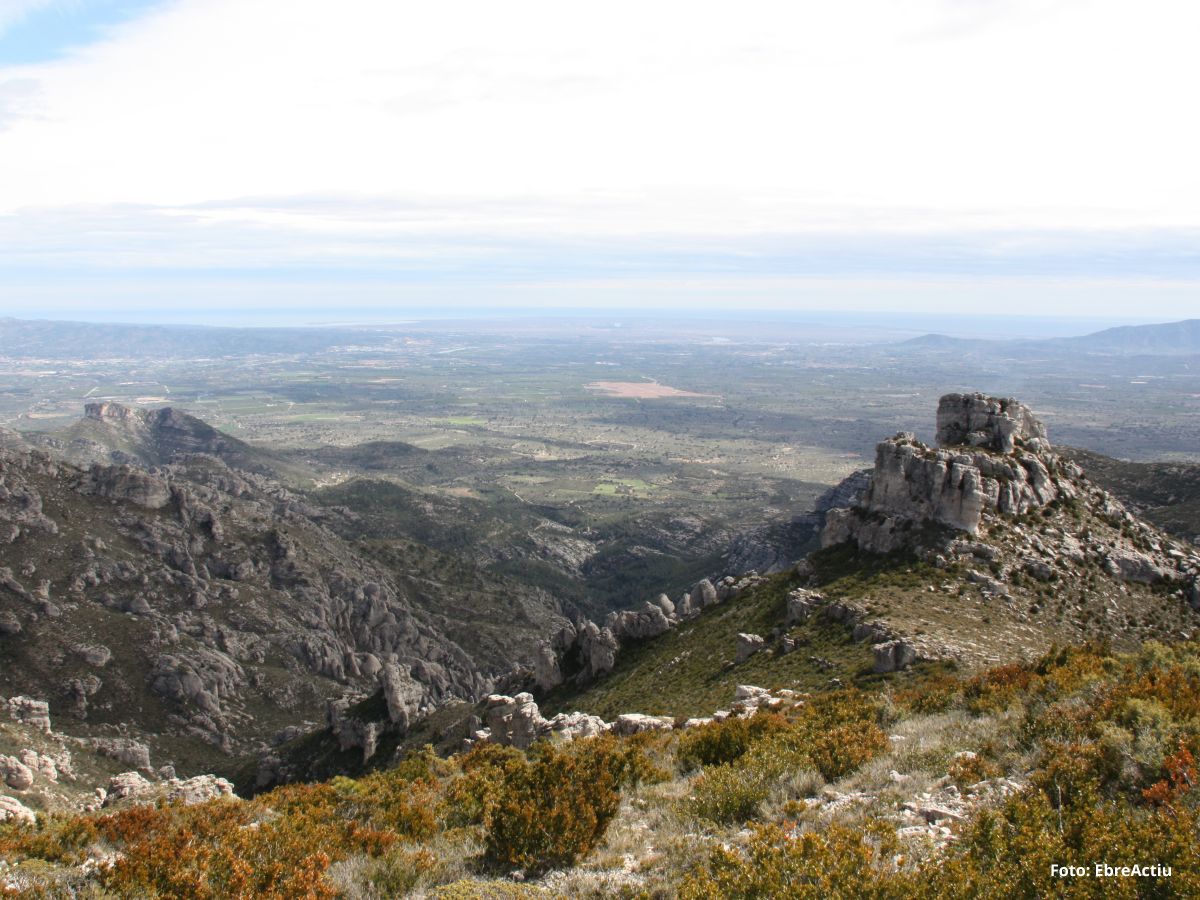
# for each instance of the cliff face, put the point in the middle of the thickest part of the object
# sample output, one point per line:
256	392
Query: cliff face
994	457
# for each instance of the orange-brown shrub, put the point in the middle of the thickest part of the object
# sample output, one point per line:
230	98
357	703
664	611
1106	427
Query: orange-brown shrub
996	688
556	808
972	769
1181	778
838	862
469	798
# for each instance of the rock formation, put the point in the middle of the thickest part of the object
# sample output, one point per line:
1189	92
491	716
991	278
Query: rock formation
228	596
994	457
975	420
586	651
969	506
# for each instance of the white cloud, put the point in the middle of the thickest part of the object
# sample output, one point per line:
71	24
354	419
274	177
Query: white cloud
371	120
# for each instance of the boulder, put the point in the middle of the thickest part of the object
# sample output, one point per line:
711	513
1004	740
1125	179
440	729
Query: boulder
127	786
547	673
892	656
403	695
124	750
41	765
875	632
704	594
599	648
13	810
800	605
514	721
1131	565
199	789
636	723
569	726
634	625
16	774
748	645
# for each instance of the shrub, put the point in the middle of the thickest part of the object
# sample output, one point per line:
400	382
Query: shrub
997	688
556	808
722	742
1008	852
1180	778
469	798
839	862
972	768
840	750
731	793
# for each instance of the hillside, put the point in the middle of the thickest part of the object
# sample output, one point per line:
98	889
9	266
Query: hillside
195	606
1165	494
1167	338
946	787
899	715
931	565
112	433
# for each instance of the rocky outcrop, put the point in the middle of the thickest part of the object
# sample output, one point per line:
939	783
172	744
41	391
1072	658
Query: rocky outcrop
748	645
994	458
637	723
990	423
34	713
891	656
15	773
403	695
217	588
647	622
800	605
585	651
517	722
125	750
1004	514
134	788
13	810
125	483
513	721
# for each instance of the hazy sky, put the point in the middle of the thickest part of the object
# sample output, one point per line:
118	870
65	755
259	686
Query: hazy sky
1031	157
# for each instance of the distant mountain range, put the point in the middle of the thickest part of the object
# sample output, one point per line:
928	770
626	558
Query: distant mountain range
1170	338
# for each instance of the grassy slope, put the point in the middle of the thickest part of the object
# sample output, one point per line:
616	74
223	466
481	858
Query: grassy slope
690	671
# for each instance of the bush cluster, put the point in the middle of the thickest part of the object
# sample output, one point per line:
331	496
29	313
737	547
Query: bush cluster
555	808
831	733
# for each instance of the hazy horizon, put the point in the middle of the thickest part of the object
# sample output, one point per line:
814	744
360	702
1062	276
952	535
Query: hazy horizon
873	324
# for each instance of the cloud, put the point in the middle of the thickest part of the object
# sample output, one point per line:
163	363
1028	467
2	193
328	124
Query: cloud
19	99
504	140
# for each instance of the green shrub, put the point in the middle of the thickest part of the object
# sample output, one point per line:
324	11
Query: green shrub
837	863
723	742
469	798
556	808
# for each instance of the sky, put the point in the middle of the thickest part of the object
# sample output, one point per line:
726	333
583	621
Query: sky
167	158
